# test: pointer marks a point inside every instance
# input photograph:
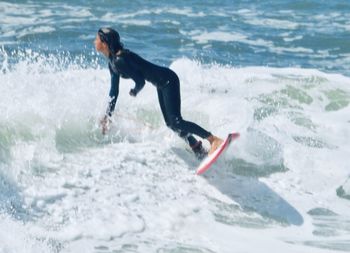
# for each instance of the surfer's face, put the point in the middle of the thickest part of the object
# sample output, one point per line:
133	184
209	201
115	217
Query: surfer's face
99	45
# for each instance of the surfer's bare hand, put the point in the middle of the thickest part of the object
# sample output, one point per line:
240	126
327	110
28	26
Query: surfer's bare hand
104	122
133	93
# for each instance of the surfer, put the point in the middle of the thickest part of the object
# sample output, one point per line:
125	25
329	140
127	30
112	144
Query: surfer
126	64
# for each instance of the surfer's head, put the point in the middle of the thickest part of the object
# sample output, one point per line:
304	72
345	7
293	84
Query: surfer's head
108	41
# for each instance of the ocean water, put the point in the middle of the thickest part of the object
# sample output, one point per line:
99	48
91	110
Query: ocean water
278	72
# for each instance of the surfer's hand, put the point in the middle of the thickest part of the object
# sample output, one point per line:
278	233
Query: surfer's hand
132	92
104	122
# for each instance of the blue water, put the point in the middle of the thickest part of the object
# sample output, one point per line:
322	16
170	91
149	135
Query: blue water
277	72
307	34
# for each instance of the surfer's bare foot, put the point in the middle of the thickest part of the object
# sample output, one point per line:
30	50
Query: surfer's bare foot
215	142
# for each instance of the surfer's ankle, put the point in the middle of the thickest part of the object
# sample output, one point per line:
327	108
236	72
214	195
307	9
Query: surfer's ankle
199	151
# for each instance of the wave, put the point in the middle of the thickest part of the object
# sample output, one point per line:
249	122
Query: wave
287	165
43	98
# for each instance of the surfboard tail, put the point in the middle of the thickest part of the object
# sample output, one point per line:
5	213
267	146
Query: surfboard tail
210	160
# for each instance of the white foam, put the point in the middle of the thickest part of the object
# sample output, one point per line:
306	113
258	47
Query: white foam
126	16
35	30
219	36
136	22
136	187
39	20
185	12
203	37
273	23
292	50
16	237
345	188
290	39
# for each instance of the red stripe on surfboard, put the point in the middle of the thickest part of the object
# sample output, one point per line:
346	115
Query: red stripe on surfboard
205	165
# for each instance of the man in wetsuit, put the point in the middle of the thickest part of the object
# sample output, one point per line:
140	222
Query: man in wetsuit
125	63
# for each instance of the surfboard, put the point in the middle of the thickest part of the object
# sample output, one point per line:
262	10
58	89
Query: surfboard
211	159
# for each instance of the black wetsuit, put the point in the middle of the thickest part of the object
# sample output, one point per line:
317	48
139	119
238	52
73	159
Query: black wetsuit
130	65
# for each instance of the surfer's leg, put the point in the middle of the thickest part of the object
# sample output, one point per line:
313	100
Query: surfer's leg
172	104
171	100
162	106
190	139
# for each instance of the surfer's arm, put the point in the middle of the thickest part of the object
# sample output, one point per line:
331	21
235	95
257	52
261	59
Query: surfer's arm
139	84
113	92
131	71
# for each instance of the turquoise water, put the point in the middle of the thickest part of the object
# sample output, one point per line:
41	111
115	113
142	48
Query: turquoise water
275	71
307	34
